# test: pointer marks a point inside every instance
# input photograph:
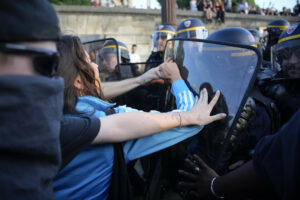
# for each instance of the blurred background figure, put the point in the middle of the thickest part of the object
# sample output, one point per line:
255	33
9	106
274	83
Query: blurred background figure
228	5
243	7
193	5
134	56
219	9
207	8
95	3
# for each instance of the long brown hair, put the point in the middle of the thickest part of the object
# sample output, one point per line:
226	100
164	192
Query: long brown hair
73	62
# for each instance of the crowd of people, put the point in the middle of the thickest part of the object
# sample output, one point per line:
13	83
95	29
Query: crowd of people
209	6
79	121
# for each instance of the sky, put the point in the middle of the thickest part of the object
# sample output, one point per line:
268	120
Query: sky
278	4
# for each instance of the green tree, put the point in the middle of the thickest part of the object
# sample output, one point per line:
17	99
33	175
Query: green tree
183	3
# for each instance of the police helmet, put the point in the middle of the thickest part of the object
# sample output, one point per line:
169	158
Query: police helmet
256	34
191	28
111	47
275	28
160	36
234	35
260	40
288	51
111	54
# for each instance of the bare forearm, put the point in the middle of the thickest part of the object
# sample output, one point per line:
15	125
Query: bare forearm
241	182
126	126
117	88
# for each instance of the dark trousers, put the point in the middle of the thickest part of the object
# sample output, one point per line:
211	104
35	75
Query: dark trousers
221	15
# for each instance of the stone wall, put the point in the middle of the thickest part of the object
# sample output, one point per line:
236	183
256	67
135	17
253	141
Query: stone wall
135	26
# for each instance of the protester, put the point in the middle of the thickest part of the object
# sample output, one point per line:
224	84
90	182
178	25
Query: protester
30	104
89	103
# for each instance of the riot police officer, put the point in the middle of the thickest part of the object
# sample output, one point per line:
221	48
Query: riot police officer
159	39
274	30
284	88
110	56
154	93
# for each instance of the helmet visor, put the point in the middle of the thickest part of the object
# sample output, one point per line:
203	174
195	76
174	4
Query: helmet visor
106	54
287	57
194	33
159	40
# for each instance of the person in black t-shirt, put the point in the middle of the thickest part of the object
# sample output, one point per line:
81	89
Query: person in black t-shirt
31	99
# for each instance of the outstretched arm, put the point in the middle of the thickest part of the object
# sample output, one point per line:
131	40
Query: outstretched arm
117	88
126	126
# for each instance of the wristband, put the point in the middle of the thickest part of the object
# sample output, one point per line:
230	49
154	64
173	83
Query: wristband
212	189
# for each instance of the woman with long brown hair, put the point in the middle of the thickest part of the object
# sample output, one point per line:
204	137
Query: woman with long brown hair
88	175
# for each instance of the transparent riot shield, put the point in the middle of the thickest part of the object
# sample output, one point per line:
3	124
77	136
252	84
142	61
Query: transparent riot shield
105	53
216	66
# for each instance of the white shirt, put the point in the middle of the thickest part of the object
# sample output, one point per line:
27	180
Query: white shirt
135	58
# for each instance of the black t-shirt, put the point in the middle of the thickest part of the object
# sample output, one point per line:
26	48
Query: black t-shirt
277	160
75	135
